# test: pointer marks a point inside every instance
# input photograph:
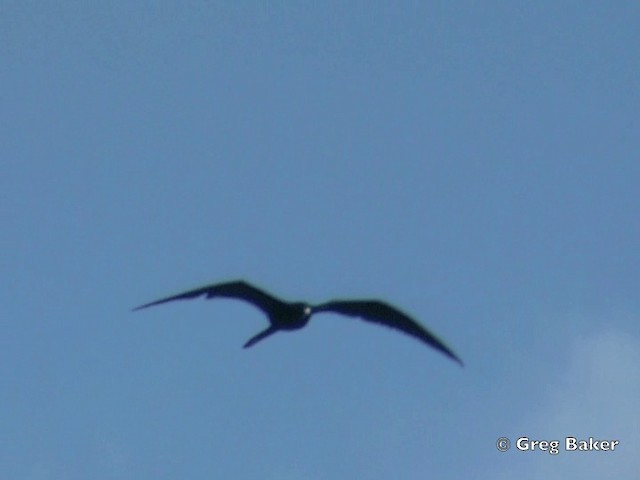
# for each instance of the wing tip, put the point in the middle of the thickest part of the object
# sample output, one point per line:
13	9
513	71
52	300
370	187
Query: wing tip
460	362
452	356
150	304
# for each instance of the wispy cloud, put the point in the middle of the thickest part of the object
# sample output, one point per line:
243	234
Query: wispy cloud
597	397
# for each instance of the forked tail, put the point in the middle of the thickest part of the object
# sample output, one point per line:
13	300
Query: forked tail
263	334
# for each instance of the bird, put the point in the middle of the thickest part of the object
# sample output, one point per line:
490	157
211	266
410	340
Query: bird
285	316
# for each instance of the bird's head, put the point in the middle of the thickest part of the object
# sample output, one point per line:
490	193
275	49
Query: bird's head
304	309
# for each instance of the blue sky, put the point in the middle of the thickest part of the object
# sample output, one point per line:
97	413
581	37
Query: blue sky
474	163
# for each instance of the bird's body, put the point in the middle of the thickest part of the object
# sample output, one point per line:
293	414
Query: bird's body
295	315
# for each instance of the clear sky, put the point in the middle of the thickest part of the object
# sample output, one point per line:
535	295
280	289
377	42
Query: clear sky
475	163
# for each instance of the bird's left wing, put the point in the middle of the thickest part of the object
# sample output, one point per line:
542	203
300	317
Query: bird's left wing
237	289
384	314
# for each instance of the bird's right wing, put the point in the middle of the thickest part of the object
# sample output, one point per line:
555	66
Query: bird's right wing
238	289
384	314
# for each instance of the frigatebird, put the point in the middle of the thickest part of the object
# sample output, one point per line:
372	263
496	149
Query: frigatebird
294	315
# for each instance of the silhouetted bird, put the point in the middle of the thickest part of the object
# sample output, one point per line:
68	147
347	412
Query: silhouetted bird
294	315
